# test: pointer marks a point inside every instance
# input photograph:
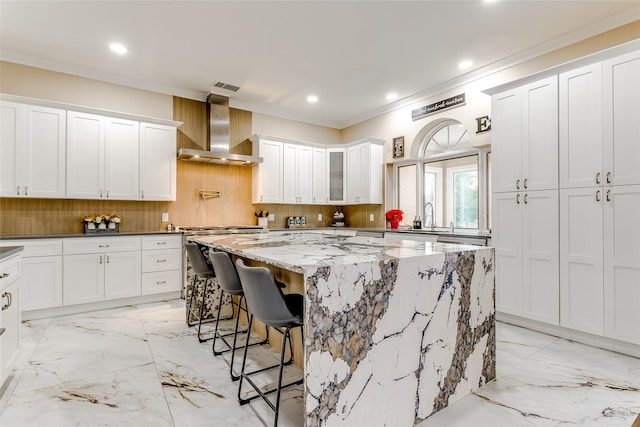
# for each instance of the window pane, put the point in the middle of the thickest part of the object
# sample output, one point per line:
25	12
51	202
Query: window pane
430	192
407	192
466	199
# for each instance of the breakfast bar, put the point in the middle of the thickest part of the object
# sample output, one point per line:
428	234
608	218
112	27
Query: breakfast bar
394	330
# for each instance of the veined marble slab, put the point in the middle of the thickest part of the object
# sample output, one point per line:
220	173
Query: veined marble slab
394	331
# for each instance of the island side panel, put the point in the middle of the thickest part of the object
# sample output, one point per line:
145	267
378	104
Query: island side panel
392	342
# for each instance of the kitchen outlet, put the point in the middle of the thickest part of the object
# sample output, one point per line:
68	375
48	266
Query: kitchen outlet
165	216
371	217
272	217
319	217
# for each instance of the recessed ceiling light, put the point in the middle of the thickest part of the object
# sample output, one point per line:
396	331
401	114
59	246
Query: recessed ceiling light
312	98
118	48
465	64
391	96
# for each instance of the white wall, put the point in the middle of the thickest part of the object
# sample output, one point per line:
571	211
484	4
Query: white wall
16	79
290	129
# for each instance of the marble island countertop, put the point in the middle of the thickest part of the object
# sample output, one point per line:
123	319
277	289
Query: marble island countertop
299	251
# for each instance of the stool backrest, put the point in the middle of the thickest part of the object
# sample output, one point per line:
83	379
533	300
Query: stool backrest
263	296
226	272
197	260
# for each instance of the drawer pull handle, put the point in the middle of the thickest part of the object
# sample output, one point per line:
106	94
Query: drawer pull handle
103	246
6	295
161	282
161	243
161	260
4	275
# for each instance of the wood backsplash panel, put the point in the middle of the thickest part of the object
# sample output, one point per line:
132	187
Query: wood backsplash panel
233	207
193	132
50	216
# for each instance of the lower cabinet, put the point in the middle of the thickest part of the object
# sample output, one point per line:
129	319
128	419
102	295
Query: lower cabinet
524	233
10	283
600	261
161	268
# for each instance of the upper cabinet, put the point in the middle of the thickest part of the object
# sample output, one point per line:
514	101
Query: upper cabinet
336	179
85	154
318	175
102	157
32	151
267	185
297	173
364	173
157	162
525	137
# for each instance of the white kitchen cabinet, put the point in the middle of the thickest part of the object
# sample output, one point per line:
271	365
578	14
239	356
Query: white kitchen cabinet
161	264
524	233
32	151
102	157
364	173
41	272
581	259
97	269
318	176
336	179
621	119
267	184
580	126
622	263
297	173
10	282
157	162
524	140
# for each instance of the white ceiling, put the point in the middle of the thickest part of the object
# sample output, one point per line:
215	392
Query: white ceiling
348	53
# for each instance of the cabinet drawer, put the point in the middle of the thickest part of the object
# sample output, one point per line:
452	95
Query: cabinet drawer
158	282
161	242
33	248
161	260
87	245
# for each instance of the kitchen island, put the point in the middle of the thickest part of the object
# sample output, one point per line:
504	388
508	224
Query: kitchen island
394	330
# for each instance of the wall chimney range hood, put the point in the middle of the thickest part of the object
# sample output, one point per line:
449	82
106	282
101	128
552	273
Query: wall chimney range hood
218	152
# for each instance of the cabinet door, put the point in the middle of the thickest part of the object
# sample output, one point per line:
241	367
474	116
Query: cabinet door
268	176
580	115
622	263
540	259
83	278
303	173
540	135
44	155
289	173
10	320
157	162
319	174
506	141
122	274
11	144
336	182
42	282
621	119
354	188
581	268
85	155
121	161
507	239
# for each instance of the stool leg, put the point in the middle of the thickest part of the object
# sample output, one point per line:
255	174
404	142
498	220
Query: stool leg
204	295
287	335
244	361
189	311
215	332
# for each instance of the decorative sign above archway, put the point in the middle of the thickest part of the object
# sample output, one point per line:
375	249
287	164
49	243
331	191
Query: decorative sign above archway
454	101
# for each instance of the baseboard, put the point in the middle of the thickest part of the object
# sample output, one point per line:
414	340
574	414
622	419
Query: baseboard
95	306
572	335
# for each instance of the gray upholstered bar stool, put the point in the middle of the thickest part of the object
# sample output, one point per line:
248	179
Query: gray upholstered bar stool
230	283
204	271
268	304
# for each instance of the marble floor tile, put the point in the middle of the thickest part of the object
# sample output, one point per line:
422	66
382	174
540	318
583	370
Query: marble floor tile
143	366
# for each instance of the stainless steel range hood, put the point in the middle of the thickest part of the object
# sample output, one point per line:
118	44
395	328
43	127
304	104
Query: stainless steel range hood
218	152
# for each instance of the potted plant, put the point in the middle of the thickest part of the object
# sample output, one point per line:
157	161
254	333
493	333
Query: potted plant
394	216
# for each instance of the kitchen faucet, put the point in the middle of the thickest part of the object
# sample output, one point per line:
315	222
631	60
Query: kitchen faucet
433	222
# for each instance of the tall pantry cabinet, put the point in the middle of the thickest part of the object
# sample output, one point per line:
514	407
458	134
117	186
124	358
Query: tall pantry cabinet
525	200
600	198
567	251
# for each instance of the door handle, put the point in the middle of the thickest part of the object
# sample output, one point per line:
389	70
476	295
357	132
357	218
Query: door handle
526	199
525	184
517	199
608	195
598	178
6	295
608	177
598	196
26	190
18	190
517	184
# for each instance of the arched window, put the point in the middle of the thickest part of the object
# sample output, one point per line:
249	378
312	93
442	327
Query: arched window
450	135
